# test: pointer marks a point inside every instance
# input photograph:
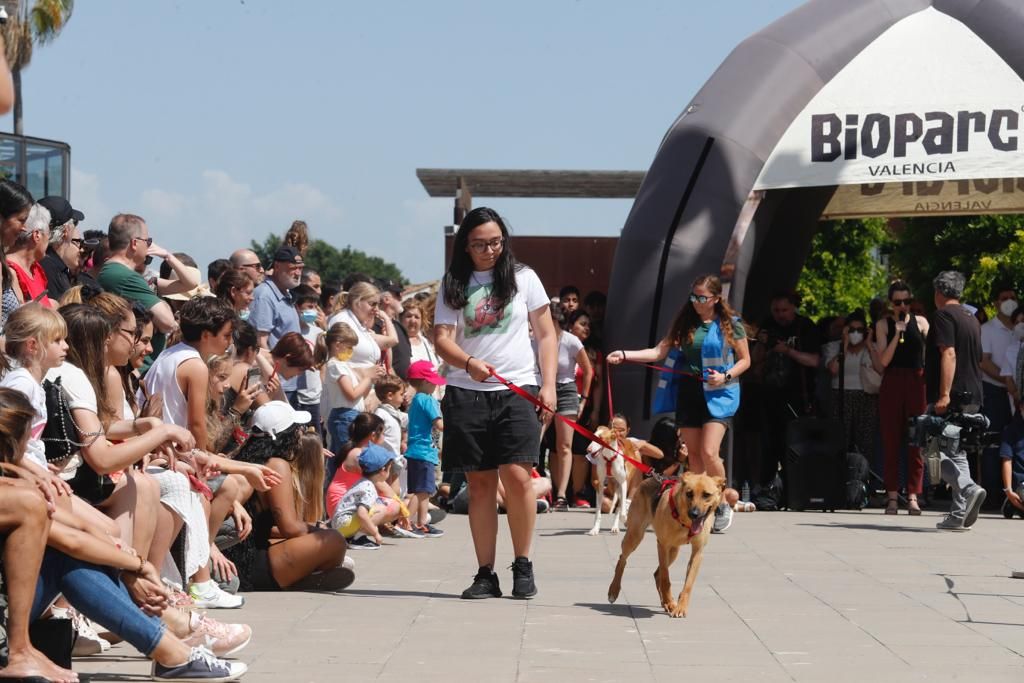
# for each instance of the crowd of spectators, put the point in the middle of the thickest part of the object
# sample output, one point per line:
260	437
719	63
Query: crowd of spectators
169	444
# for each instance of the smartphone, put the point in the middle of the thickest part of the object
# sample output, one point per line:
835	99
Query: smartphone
252	377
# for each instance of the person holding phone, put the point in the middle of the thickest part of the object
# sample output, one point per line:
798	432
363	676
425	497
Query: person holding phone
900	342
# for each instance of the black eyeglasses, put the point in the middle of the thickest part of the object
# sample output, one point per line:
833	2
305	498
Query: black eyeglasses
258	266
147	240
699	298
482	247
902	302
84	243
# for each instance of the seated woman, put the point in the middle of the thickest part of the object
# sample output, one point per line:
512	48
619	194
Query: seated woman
299	556
29	249
85	569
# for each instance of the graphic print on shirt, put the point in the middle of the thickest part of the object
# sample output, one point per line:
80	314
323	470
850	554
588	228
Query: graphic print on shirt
482	315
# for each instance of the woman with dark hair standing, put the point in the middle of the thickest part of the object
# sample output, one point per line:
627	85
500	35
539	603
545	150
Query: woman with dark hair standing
713	347
15	203
485	307
899	341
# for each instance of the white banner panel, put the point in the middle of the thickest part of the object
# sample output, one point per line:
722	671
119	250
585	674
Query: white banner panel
927	100
927	198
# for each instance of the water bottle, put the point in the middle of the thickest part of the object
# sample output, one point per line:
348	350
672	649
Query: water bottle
745	491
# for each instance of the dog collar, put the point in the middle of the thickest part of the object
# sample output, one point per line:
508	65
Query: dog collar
675	510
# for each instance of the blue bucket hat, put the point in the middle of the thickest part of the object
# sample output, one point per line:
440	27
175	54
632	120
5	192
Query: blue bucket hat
374	458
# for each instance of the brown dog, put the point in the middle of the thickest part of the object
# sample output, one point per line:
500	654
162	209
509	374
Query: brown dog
680	511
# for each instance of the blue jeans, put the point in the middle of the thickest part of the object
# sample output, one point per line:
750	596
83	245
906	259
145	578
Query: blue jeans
97	593
337	427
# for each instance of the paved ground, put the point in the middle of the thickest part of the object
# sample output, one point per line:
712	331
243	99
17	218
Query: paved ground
781	597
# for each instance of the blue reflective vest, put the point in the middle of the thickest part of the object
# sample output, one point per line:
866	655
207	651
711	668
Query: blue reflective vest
716	355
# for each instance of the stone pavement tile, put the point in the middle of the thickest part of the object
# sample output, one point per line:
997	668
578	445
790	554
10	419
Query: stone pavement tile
958	658
697	666
581	671
1009	635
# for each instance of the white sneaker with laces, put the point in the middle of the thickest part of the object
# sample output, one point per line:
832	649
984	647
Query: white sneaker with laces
209	595
221	639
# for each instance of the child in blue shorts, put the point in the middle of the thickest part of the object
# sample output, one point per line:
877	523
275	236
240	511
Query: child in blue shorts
421	454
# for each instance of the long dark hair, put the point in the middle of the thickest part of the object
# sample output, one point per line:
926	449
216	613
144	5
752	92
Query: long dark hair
260	448
687	320
456	280
13	199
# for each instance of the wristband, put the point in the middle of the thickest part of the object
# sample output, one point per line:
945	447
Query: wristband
467	363
142	564
623	354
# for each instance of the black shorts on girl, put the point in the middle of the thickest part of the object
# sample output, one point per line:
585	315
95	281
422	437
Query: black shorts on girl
420	476
485	429
692	407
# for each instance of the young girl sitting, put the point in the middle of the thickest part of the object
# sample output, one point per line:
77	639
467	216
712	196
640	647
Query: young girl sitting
366	427
362	511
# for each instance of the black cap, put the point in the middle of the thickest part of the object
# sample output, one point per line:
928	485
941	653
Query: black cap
390	286
61	211
287	254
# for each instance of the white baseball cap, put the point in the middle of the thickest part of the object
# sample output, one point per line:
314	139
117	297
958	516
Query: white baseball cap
275	417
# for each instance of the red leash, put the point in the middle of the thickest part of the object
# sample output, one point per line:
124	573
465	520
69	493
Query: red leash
572	423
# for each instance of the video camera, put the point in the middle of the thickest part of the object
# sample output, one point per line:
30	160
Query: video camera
962	415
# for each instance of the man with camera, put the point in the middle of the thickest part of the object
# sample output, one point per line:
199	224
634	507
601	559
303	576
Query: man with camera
952	368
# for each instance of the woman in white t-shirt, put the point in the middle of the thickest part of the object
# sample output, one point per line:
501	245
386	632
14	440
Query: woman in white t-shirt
485	308
571	355
133	500
862	370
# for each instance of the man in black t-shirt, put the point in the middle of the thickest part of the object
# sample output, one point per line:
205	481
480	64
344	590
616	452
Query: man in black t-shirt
952	368
391	304
785	357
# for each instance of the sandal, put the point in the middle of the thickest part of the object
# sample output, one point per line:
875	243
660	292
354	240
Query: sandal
892	506
561	504
913	508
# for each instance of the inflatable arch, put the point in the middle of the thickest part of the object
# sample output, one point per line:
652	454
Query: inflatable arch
842	107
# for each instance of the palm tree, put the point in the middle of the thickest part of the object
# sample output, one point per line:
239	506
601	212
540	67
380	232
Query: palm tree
26	27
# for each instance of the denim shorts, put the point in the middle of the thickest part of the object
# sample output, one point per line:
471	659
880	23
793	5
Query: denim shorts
486	429
567	400
420	476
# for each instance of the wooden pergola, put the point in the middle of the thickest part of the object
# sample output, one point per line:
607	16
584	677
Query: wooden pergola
463	183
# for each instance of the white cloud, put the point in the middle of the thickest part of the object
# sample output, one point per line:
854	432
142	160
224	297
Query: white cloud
223	213
85	196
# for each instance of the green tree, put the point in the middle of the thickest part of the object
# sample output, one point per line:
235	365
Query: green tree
30	24
843	271
335	264
988	249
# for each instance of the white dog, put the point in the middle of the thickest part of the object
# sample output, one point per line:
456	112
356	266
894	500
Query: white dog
610	465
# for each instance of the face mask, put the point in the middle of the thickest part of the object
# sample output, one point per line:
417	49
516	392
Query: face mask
1008	307
309	315
856	338
1018	331
244	314
344	355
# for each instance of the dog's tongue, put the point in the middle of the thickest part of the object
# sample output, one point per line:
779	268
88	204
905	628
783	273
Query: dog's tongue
696	526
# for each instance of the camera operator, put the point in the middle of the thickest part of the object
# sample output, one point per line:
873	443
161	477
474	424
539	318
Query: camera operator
786	357
952	366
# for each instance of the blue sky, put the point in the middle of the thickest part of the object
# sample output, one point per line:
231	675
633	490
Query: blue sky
222	120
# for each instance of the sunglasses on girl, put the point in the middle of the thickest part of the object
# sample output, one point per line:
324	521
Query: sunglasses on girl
903	302
699	298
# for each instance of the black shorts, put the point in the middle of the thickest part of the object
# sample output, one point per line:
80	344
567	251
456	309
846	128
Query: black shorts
420	476
485	429
692	407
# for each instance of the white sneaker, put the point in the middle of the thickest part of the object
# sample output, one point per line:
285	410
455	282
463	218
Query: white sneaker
348	563
210	596
88	640
221	639
405	533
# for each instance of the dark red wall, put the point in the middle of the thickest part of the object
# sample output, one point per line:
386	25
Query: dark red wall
582	261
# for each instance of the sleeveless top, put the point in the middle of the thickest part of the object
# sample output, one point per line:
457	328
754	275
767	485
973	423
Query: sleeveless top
909	354
33	284
8	303
162	380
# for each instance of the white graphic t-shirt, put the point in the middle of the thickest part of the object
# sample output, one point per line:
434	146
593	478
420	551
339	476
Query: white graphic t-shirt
499	336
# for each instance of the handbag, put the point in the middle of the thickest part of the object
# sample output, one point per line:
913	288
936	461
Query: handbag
870	380
61	434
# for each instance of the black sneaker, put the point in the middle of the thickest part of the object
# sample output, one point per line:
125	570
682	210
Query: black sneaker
363	543
485	585
523	586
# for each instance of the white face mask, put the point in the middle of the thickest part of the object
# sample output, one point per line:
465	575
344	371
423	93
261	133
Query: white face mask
1018	331
1008	307
856	337
244	314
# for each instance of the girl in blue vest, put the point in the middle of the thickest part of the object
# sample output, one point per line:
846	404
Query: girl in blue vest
708	341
